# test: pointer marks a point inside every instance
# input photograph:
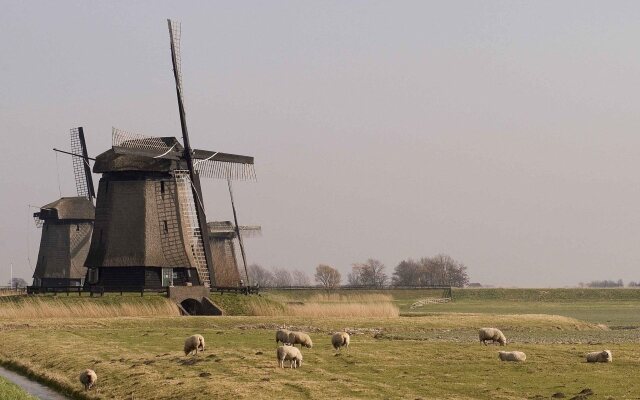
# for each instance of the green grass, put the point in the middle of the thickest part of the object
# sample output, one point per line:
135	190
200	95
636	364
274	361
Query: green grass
435	356
238	304
9	391
431	352
617	308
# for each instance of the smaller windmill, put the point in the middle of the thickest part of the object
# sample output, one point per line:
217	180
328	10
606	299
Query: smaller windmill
67	224
222	237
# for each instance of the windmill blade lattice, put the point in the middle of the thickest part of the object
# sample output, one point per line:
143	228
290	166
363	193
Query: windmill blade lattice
189	219
81	168
225	170
121	138
250	231
208	164
175	32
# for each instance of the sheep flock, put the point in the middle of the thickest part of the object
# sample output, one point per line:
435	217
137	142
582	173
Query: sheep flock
286	351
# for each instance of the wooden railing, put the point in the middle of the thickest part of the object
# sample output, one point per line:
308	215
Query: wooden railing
92	290
236	289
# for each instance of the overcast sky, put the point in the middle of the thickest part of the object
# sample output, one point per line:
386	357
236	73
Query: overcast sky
504	134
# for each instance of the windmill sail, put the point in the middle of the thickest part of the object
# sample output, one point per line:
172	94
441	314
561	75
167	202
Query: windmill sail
208	164
189	219
202	231
81	168
237	227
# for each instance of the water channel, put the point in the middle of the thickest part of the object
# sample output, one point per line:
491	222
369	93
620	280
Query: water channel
32	387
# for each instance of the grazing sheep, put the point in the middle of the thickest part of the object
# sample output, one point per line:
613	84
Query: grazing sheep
88	378
492	334
340	339
289	353
300	338
512	356
599	356
193	343
282	335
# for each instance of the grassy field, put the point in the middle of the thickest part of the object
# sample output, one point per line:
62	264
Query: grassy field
9	391
428	353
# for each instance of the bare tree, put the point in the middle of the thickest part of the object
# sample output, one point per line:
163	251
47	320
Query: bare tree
18	283
431	271
408	273
327	276
281	277
370	273
355	276
260	276
300	278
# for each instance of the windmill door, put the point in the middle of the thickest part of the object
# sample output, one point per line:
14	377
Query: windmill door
167	277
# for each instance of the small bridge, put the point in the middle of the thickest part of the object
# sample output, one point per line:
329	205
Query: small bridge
193	300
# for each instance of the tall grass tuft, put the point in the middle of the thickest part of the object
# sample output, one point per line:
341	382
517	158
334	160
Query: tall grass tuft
12	292
38	307
332	305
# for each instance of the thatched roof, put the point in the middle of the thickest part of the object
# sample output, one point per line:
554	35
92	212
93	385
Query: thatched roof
76	208
110	161
221	229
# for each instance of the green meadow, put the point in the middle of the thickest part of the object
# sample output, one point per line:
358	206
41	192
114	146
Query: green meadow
426	352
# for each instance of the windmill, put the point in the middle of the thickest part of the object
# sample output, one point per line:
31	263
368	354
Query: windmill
66	225
150	217
222	236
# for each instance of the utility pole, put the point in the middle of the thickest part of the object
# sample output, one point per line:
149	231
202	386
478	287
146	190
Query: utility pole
11	279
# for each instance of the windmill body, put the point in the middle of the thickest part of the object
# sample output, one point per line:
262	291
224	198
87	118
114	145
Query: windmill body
67	225
146	228
222	236
64	244
140	240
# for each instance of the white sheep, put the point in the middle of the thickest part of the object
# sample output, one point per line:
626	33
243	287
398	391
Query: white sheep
300	338
282	335
512	356
599	356
290	353
339	340
193	343
88	378
493	334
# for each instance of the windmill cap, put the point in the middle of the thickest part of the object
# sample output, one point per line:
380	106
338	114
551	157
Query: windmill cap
76	208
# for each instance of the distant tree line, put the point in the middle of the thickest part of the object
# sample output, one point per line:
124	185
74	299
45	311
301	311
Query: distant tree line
277	277
608	284
439	270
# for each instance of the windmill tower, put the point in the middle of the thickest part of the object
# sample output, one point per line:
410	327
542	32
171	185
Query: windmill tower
150	217
222	237
66	225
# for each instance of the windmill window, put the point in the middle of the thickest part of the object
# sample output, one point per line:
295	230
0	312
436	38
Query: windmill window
162	191
77	227
166	228
106	187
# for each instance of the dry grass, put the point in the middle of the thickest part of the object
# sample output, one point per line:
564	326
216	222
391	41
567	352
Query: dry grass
332	305
415	357
38	307
11	292
350	297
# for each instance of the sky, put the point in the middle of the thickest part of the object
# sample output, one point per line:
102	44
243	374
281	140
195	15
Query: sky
501	133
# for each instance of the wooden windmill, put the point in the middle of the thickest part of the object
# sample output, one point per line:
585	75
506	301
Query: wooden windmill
222	239
150	217
222	245
66	225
